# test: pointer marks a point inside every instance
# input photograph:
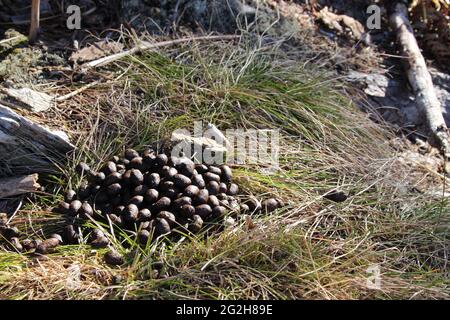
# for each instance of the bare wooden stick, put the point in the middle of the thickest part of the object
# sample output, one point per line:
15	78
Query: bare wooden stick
35	15
13	39
419	78
145	45
18	185
74	93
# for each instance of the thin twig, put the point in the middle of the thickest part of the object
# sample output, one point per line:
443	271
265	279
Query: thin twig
11	39
74	93
15	212
145	45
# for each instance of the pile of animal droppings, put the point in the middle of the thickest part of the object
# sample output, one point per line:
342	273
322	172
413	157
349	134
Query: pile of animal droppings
150	195
154	195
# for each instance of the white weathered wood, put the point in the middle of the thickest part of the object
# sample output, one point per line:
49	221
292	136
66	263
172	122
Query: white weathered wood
419	78
27	146
14	186
31	99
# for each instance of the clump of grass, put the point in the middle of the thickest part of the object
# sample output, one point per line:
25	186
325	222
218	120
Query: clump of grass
313	248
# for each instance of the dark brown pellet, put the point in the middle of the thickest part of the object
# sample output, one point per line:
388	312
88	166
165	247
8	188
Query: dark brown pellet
70	196
151	196
113	258
191	191
203	210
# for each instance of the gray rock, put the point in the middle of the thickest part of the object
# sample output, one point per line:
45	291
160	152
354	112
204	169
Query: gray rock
393	99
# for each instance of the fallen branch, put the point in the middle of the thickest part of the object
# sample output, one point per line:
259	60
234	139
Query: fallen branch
420	79
18	185
145	45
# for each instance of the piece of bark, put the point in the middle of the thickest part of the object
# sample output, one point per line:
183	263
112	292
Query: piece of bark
30	99
419	78
18	185
27	147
